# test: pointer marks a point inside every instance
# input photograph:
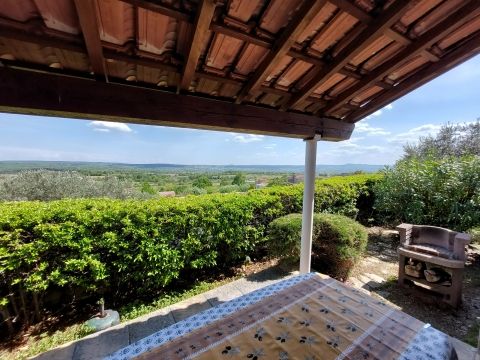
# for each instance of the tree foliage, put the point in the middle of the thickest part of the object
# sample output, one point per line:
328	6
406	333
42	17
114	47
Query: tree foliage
202	181
452	140
46	185
442	192
239	179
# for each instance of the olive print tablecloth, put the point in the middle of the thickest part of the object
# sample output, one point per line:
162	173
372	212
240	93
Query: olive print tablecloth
306	317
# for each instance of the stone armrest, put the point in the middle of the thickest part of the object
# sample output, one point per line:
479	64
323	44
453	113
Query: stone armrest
461	240
405	232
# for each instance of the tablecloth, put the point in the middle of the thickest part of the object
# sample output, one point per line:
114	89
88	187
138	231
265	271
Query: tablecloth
309	316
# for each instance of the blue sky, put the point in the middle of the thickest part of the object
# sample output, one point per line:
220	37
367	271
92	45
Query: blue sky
451	98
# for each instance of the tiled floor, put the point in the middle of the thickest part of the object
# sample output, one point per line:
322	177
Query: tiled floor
97	345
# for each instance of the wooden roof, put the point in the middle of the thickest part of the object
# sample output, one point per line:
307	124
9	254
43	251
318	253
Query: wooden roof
314	63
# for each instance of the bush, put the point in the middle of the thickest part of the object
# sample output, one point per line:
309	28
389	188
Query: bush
475	234
337	241
284	235
441	192
134	248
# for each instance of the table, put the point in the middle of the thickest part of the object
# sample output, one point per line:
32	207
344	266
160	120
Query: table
310	316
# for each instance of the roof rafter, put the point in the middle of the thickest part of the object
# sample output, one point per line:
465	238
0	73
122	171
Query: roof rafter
419	46
205	12
88	17
376	28
467	50
11	29
304	15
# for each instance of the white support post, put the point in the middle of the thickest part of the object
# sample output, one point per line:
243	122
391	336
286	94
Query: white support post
308	197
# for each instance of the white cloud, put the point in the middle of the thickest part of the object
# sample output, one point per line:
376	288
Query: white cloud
364	127
380	111
107	126
270	146
412	135
246	138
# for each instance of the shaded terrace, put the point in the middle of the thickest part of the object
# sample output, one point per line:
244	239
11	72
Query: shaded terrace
305	69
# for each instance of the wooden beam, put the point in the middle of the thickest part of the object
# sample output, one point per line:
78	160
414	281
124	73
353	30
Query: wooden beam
463	52
424	42
87	15
240	35
28	92
40	35
371	33
353	10
162	9
205	11
290	33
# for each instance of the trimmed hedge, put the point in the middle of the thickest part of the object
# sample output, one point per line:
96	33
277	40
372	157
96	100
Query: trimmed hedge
126	249
337	241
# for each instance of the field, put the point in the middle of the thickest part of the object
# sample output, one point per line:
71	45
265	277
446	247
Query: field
152	180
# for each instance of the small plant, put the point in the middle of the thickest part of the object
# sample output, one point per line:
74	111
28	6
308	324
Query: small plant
101	304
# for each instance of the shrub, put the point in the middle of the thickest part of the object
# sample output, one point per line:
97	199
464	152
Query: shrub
441	192
475	234
337	241
339	245
228	188
284	234
128	249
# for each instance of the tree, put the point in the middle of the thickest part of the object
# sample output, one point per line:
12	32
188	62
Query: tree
147	188
202	181
452	140
46	185
239	179
279	181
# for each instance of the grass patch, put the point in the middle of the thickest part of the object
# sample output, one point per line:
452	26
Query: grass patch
46	340
472	335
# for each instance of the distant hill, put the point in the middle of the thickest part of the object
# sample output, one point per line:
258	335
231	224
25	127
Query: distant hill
14	166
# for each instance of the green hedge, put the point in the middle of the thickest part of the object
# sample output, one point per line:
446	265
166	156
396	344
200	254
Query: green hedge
337	241
127	249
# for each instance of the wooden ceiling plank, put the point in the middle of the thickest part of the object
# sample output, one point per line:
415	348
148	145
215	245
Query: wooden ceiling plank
87	15
418	46
376	28
204	16
302	18
29	92
467	50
